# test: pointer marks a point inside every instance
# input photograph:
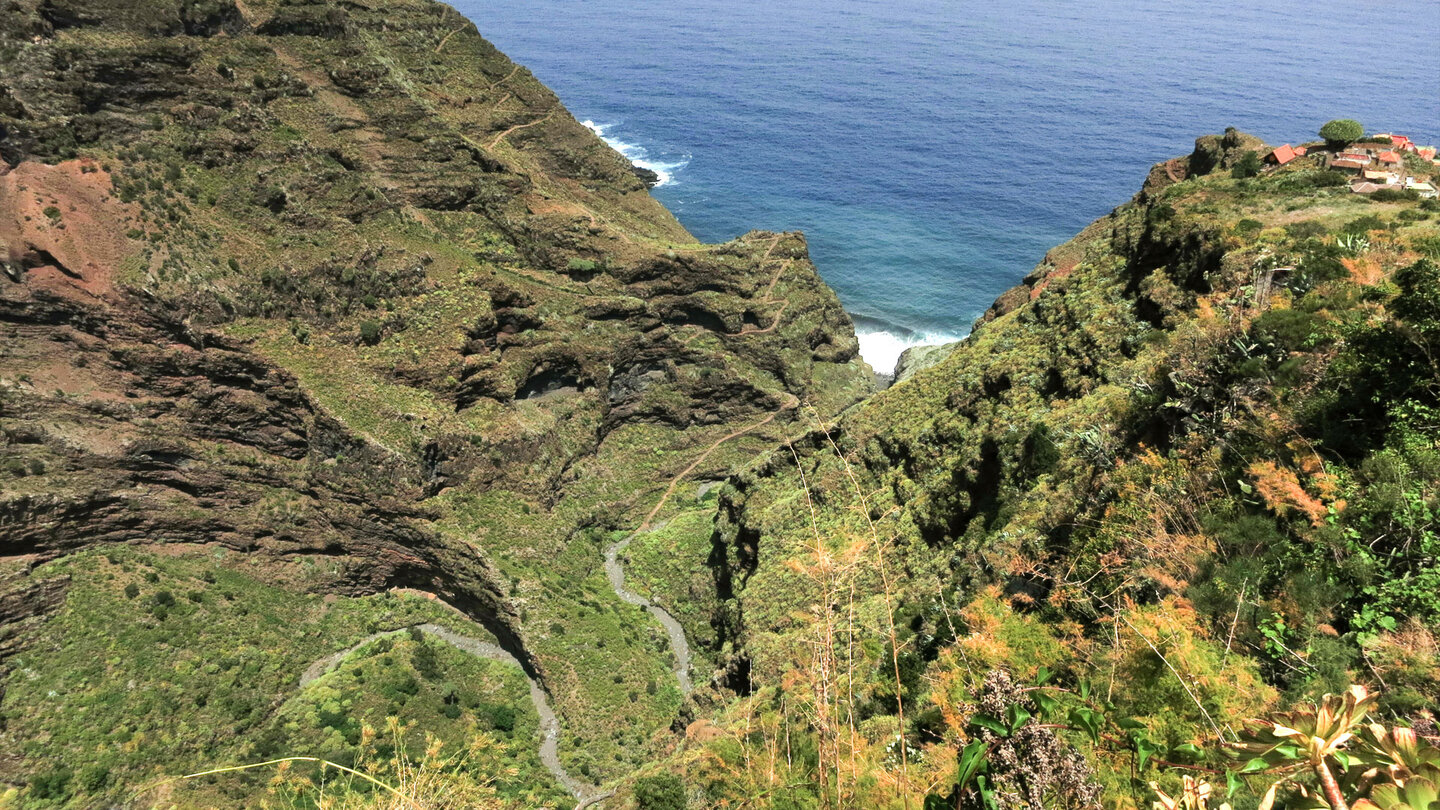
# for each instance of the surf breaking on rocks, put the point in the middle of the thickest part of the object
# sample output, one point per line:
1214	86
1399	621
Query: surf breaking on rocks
639	155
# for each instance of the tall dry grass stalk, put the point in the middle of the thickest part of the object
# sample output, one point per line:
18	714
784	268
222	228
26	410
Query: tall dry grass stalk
826	687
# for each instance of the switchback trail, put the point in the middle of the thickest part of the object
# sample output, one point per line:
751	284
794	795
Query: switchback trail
517	128
585	793
769	291
615	571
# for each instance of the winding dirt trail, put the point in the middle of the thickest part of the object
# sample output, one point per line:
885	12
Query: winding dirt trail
518	127
441	46
615	570
768	298
585	793
588	795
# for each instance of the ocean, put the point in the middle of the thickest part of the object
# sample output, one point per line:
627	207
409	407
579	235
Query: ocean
933	150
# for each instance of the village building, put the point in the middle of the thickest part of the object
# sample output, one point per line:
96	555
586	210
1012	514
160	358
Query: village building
1365	188
1426	190
1348	164
1399	141
1389	157
1384	178
1281	155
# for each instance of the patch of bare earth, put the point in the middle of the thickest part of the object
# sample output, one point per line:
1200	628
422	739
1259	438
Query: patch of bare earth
63	223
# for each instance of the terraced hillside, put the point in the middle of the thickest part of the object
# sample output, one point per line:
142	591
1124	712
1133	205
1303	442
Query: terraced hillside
309	302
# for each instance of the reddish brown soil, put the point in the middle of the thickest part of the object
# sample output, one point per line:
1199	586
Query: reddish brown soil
78	252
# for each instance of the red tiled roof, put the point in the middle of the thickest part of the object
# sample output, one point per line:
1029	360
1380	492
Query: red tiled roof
1389	157
1300	151
1282	155
1347	163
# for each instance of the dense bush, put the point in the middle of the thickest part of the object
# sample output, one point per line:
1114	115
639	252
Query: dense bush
1395	195
1247	166
53	784
1342	131
663	791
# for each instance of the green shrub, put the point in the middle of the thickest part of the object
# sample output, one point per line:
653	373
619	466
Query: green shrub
663	791
581	265
132	590
1305	230
1328	179
401	687
1342	131
500	716
1364	225
425	660
370	332
1247	166
94	777
51	784
1300	181
1395	195
1249	227
1289	329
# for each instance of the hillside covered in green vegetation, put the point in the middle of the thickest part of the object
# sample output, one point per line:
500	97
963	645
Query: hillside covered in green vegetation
310	303
1186	473
360	405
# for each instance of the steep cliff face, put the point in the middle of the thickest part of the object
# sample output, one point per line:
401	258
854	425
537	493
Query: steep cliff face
1184	436
338	287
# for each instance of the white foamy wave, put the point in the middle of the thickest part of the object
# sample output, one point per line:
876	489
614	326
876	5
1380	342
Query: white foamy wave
881	348
639	155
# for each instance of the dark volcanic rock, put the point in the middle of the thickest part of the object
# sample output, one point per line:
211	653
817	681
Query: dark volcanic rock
647	176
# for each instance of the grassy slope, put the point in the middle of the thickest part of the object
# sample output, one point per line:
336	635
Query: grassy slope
171	663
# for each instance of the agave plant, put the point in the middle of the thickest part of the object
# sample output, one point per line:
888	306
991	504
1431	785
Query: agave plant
1313	738
1353	243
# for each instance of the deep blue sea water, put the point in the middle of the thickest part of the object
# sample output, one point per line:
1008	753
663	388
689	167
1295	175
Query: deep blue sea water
933	150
